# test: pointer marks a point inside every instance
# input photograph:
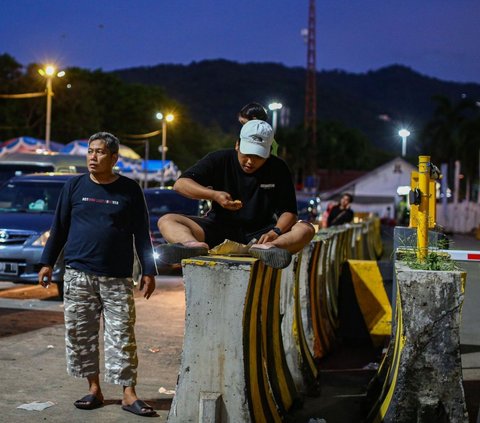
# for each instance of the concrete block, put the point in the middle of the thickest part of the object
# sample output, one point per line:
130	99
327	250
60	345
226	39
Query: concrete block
233	344
212	355
424	379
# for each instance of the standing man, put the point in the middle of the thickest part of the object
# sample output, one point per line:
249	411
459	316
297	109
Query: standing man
100	216
253	198
342	212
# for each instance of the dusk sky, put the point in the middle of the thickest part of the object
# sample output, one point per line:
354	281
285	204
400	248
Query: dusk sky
439	38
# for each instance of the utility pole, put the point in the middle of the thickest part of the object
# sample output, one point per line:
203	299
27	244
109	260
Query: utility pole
311	94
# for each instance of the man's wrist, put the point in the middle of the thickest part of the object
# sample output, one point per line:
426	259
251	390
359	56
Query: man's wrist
211	194
277	230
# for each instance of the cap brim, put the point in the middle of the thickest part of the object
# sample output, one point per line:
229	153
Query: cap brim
247	147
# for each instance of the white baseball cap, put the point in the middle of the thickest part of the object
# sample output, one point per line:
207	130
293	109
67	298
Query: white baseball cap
256	137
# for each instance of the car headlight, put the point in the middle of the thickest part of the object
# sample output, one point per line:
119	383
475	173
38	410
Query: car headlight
42	239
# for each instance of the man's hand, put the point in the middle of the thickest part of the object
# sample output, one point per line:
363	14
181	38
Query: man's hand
268	237
225	200
45	276
147	284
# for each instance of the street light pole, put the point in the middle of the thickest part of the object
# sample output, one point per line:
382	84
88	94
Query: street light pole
164	141
49	112
404	133
168	118
275	107
145	164
49	73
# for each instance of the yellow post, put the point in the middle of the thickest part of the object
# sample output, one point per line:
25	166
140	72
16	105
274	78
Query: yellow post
422	226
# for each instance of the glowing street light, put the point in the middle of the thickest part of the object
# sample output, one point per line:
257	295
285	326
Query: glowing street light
49	72
404	133
274	107
167	118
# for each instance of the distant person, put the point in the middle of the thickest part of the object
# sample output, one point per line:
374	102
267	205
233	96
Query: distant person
342	212
100	216
255	111
403	211
252	111
253	198
326	213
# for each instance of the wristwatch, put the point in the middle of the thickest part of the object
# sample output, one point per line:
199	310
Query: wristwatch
277	230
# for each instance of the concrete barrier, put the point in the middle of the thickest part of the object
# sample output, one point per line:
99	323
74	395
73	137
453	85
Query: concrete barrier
254	336
233	348
420	378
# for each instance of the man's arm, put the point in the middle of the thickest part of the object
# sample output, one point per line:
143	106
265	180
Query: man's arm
284	223
57	238
192	189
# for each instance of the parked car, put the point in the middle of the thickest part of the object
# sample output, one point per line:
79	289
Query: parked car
15	164
27	207
161	201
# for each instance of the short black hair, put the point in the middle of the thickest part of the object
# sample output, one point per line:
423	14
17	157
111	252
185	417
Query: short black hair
350	196
252	111
111	141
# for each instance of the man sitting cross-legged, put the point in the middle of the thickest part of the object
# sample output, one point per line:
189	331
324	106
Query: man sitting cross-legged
253	198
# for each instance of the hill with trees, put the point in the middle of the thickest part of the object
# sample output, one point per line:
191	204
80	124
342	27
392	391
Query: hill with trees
359	115
376	103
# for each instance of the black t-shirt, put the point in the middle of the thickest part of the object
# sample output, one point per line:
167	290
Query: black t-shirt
265	194
98	225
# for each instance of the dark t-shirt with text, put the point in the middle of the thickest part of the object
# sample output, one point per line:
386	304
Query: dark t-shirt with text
265	194
98	225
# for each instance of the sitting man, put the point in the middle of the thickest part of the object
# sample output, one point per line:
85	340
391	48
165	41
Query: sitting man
253	201
342	212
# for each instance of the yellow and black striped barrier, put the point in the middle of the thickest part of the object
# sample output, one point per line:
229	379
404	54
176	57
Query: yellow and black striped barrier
254	336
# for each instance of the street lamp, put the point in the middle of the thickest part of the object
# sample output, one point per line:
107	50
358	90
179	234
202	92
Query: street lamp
49	73
167	118
274	107
404	133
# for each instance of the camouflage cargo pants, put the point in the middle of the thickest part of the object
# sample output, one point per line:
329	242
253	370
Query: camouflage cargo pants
87	297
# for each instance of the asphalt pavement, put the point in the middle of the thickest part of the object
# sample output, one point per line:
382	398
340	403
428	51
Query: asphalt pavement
32	355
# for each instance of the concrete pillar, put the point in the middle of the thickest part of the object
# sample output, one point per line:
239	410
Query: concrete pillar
421	376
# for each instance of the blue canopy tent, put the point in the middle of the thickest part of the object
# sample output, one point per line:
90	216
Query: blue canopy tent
27	145
80	147
130	164
152	170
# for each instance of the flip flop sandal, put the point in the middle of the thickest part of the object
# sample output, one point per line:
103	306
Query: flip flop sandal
275	257
175	253
88	402
140	408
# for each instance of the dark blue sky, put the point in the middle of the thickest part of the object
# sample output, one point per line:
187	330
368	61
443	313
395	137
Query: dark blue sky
439	38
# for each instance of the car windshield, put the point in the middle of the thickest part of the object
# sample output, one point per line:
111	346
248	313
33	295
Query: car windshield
30	197
160	203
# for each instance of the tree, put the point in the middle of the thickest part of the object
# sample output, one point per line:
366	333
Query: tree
338	147
452	134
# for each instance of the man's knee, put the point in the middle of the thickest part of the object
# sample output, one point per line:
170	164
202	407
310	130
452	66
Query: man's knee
165	220
306	228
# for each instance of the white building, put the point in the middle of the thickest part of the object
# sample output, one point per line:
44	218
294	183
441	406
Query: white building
377	191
